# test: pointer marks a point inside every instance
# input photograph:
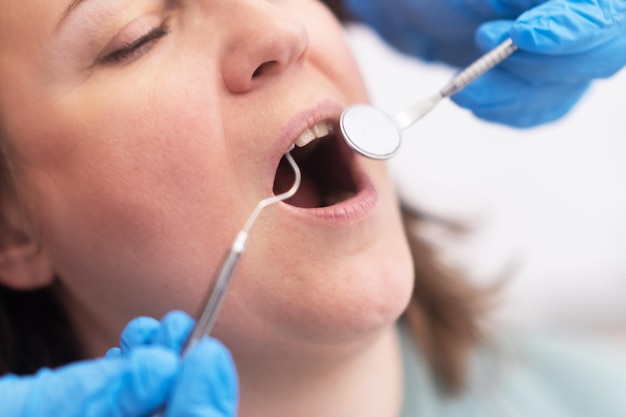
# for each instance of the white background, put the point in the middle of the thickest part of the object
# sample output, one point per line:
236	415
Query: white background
549	201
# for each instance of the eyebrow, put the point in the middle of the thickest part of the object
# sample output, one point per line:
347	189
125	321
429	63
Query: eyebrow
73	5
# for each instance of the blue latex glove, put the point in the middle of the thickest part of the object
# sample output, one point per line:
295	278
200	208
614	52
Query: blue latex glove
435	29
207	384
131	386
133	381
565	45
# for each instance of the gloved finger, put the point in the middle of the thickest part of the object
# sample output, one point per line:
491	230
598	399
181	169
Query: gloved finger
500	9
129	386
443	30
431	30
173	331
569	27
501	97
170	332
207	385
601	62
138	332
113	353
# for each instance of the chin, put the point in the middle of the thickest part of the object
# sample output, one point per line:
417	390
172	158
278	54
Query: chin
376	293
305	308
351	301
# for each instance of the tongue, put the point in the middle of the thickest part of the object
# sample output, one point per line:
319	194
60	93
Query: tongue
308	194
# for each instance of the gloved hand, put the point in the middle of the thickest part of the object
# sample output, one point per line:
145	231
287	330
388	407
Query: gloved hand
564	45
132	381
130	386
435	29
207	384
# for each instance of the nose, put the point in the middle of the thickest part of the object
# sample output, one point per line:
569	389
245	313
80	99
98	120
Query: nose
264	41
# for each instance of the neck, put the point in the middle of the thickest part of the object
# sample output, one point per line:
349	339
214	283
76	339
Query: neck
366	384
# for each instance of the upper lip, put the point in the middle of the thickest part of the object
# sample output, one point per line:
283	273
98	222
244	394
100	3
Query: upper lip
323	111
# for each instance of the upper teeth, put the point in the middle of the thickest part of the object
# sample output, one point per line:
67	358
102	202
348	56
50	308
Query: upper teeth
320	130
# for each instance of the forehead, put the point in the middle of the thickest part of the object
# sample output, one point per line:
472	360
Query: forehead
21	20
26	27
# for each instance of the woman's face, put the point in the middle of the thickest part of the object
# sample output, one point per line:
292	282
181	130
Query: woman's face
141	134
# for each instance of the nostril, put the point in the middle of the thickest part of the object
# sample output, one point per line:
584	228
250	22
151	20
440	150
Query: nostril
263	68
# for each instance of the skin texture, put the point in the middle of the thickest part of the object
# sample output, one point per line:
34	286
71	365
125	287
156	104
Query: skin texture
132	179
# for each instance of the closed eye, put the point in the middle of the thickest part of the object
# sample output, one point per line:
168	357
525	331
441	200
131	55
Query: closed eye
135	49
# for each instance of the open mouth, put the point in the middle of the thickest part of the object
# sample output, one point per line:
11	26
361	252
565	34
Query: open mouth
326	162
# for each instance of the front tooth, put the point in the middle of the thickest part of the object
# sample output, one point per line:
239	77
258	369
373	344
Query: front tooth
305	138
321	129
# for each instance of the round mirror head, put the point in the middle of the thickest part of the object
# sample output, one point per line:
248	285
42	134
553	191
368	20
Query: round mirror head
370	132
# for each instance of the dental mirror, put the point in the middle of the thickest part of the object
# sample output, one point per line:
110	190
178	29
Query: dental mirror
377	135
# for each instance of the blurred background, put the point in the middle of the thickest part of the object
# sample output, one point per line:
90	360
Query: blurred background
545	205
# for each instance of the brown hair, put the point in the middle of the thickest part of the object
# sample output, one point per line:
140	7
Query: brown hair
337	8
34	329
444	311
34	332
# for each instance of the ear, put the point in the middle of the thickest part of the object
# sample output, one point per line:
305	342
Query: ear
24	265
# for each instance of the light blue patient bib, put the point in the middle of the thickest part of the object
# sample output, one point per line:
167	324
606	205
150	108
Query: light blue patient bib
538	376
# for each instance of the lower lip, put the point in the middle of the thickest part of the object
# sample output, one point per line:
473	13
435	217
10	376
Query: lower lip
354	209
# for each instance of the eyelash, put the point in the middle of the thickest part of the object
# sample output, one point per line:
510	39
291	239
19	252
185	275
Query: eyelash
134	49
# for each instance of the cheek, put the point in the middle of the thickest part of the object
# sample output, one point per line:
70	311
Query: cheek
330	51
132	194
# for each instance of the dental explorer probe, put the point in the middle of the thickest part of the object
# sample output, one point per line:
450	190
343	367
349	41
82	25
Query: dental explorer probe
374	134
215	296
207	317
